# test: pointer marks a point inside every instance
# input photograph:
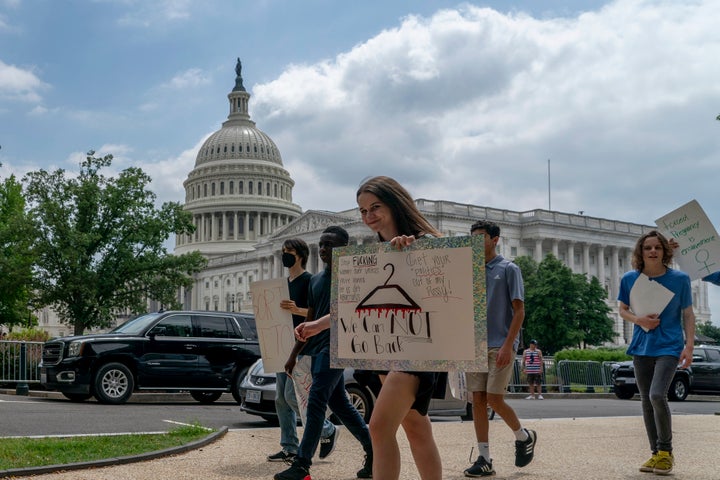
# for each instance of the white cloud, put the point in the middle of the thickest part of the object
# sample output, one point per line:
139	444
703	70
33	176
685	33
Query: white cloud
19	84
156	13
469	104
188	79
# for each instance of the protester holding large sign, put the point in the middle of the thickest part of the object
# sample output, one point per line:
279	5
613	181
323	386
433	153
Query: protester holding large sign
389	210
657	345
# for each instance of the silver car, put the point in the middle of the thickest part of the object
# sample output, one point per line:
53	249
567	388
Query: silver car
258	392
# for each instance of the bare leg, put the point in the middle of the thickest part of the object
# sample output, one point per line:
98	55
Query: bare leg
497	402
418	430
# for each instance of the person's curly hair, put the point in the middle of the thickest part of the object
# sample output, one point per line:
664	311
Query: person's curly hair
637	260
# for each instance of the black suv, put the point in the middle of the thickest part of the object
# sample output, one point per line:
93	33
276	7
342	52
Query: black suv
703	376
205	353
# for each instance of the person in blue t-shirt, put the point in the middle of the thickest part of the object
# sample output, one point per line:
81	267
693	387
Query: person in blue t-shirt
658	345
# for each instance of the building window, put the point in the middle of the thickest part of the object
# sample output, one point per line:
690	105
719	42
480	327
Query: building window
216	284
232	147
240	188
232	187
259	188
222	188
205	190
275	190
225	149
250	189
207	284
212	188
255	148
267	189
251	224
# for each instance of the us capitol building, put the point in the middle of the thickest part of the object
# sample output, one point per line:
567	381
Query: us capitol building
240	197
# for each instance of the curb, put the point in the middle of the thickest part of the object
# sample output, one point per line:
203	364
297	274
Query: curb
106	462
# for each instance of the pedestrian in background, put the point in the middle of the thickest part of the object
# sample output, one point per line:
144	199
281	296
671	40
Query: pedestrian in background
532	366
658	345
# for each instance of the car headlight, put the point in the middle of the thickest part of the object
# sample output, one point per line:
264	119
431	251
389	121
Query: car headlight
75	348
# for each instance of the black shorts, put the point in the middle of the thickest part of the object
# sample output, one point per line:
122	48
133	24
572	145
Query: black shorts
432	385
534	378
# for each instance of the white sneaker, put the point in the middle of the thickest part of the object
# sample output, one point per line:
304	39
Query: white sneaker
540	397
529	397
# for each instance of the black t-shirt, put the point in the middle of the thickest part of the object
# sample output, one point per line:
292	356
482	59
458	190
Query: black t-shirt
319	301
299	294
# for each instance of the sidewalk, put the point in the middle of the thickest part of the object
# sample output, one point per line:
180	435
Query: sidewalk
578	449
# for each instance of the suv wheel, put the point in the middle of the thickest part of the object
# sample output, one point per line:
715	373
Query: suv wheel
205	397
678	389
113	384
360	399
624	393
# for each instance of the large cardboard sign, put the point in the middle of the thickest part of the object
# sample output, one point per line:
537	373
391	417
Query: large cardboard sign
422	308
274	325
699	251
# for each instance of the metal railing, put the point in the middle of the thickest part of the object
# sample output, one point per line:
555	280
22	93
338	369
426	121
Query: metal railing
20	362
567	376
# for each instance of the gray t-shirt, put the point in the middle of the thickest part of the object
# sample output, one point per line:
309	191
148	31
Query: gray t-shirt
504	284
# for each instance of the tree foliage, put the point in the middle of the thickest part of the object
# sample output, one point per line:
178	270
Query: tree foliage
709	330
16	258
563	309
99	242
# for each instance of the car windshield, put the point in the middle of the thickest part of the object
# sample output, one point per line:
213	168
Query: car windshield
137	325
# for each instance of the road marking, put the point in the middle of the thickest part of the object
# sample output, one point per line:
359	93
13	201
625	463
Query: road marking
188	424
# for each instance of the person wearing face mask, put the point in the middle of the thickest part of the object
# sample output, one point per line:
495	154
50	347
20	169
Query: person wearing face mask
294	258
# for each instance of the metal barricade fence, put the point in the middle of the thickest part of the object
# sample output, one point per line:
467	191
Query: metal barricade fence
567	376
20	361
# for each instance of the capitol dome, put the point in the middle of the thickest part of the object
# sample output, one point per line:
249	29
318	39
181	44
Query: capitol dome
239	190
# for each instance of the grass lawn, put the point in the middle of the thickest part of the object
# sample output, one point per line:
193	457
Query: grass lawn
37	452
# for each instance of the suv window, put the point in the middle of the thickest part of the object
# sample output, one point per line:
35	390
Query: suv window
215	327
713	355
174	326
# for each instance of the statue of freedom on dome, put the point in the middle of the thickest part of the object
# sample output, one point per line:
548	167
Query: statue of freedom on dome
238	78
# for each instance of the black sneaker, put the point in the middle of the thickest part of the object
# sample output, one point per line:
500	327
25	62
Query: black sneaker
281	456
327	445
481	468
366	471
524	451
297	471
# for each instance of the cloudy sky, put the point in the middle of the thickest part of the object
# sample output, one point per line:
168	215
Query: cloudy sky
464	102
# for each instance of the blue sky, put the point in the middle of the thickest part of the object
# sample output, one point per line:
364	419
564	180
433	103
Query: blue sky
460	101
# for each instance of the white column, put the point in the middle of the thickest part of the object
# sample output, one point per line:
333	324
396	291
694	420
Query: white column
538	250
571	256
614	272
555	249
586	260
214	229
601	265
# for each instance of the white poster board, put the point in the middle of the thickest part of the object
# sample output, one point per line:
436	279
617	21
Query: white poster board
699	252
274	324
422	308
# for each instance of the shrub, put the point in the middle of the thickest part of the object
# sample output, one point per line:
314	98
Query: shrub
596	354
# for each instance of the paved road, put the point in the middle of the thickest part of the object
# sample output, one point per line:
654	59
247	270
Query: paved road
23	416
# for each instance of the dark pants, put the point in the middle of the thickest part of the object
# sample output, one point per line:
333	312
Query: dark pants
328	390
653	376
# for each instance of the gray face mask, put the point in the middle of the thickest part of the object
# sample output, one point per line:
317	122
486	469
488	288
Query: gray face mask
288	259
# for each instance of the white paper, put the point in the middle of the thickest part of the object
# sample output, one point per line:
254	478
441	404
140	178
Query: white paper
274	325
648	297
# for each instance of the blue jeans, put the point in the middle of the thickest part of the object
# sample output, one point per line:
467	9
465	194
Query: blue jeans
653	376
328	390
286	407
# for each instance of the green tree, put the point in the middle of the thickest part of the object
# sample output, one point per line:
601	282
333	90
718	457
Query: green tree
563	309
593	312
99	242
709	330
16	259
